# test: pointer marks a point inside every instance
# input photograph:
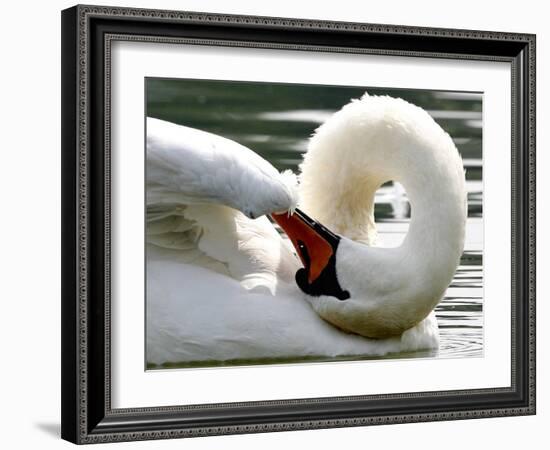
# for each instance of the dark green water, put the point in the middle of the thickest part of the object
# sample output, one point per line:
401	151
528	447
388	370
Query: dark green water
276	120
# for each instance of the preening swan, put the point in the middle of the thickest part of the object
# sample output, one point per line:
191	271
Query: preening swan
221	282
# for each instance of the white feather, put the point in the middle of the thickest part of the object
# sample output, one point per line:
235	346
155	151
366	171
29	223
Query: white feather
188	166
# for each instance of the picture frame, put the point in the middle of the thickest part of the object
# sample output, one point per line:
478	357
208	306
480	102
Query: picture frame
88	33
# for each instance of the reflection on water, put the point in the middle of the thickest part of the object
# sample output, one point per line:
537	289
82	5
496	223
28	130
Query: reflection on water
276	120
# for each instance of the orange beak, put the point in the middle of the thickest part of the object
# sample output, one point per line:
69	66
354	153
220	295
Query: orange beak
316	246
313	249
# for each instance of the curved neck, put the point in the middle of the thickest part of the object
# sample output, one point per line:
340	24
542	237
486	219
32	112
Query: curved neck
376	140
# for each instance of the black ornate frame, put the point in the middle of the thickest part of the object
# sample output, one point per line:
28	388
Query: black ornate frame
87	34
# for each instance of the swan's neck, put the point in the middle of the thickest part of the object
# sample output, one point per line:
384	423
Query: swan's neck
366	144
435	194
346	165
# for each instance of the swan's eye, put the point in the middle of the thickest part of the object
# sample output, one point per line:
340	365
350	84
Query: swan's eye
302	249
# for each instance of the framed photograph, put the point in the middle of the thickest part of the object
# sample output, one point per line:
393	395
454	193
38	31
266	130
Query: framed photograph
281	224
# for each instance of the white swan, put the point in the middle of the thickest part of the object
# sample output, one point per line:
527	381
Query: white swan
220	285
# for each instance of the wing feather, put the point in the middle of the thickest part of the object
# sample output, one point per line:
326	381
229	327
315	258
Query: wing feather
190	166
198	187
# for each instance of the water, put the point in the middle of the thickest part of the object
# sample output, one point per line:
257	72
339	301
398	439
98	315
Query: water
276	121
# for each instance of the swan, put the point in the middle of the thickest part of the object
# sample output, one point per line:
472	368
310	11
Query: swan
223	284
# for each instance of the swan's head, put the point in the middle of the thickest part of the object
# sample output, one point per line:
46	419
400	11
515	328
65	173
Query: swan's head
373	292
337	299
316	246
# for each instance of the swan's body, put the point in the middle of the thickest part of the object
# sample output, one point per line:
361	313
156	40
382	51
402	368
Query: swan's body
221	286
